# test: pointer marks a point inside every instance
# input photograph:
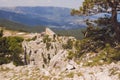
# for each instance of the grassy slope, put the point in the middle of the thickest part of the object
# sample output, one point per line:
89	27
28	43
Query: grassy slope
77	33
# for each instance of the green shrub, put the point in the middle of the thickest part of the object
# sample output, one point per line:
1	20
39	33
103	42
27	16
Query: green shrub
107	55
112	53
4	60
70	55
10	50
19	39
95	39
46	39
34	38
77	45
48	45
79	74
68	45
1	33
70	75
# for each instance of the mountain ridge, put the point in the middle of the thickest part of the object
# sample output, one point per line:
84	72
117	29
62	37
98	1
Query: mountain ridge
55	17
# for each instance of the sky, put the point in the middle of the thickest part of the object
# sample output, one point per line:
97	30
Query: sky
57	3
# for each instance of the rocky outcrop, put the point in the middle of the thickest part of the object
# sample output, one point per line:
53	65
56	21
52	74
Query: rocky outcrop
45	53
49	32
32	72
46	59
53	63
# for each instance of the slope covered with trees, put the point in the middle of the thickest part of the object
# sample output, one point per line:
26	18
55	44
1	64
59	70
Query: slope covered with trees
10	25
77	33
20	27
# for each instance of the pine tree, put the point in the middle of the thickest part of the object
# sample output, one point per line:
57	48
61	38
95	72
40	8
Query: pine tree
90	7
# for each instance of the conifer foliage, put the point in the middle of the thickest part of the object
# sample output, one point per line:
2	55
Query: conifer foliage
91	7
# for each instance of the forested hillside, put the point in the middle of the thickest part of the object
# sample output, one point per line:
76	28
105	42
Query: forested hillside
20	27
25	28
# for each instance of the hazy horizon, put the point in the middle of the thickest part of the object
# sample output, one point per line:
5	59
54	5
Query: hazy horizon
47	3
36	6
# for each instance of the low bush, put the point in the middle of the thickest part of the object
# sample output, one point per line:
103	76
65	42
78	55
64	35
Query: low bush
10	50
70	55
46	39
68	45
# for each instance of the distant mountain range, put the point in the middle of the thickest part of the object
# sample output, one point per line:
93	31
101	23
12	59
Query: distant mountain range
54	17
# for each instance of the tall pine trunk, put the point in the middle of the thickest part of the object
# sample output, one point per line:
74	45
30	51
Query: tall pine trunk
115	24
